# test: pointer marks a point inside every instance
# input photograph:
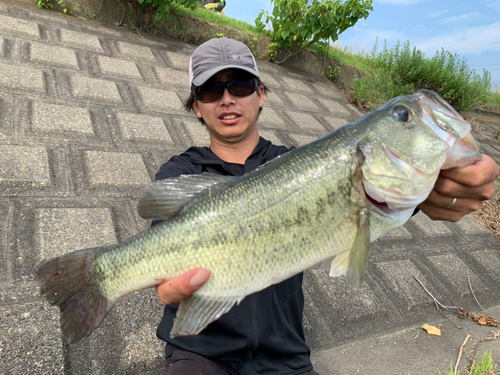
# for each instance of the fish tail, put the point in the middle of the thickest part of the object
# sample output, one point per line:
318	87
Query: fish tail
67	282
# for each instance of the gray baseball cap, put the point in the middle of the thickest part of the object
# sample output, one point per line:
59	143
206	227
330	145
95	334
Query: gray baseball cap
219	54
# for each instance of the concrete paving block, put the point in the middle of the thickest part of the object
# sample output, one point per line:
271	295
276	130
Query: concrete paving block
95	89
136	51
316	331
24	165
398	276
80	40
52	17
19	27
429	227
30	342
296	85
21	77
118	68
347	311
328	90
7	266
272	99
159	100
143	128
300	101
399	233
53	55
270	136
178	60
140	315
490	259
335	122
198	133
61	119
306	121
458	275
470	226
2	46
63	230
335	107
115	169
301	139
169	77
269	81
268	116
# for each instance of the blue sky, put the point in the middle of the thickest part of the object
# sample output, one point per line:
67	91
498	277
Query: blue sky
469	28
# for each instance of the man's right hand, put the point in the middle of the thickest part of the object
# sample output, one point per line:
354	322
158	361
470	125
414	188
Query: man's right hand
181	287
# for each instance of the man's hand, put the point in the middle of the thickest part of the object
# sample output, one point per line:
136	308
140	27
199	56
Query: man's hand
179	288
470	185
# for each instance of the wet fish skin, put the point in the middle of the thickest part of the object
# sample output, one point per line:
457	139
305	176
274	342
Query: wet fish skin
322	202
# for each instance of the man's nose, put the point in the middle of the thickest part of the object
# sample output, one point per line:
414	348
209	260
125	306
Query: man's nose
227	97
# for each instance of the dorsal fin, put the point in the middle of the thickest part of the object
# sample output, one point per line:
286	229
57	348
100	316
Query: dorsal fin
161	199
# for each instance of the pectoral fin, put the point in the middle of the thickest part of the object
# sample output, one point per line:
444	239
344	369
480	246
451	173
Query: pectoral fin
195	313
161	199
358	256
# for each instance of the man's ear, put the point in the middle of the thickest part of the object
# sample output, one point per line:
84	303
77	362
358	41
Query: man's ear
261	92
196	109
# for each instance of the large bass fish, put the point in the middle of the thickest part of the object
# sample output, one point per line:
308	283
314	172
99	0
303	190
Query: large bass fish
322	202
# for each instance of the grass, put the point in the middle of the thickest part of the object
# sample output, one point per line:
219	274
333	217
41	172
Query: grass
211	16
485	367
402	70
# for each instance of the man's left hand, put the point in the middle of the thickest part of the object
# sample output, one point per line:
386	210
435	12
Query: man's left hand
469	185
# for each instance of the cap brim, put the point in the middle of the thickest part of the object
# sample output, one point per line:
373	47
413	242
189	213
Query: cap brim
205	76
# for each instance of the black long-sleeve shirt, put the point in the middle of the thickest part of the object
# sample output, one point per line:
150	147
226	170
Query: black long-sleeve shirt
263	334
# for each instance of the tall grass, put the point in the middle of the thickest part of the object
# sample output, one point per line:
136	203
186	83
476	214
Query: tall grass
402	70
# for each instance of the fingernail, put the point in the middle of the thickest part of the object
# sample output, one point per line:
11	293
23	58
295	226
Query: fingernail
199	278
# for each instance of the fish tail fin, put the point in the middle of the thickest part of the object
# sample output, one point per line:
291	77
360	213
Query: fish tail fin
67	283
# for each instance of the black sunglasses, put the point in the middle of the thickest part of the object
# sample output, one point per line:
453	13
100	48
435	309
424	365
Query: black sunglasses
212	91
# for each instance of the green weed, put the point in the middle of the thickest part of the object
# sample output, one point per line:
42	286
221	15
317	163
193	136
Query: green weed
402	70
486	367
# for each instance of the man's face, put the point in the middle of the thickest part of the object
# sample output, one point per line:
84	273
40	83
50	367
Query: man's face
231	118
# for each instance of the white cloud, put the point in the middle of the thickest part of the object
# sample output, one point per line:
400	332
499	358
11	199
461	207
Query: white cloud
461	17
437	14
493	3
465	40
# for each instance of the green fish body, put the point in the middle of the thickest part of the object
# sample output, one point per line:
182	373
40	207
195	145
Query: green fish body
320	203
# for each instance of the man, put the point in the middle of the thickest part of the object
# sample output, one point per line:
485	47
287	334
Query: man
264	333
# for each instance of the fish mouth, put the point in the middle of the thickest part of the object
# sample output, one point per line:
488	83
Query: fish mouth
382	207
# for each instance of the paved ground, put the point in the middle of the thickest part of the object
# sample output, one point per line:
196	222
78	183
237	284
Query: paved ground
88	114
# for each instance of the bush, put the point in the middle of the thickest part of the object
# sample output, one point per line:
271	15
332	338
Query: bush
402	70
298	24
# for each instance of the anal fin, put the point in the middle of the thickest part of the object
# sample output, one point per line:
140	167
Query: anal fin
195	313
358	256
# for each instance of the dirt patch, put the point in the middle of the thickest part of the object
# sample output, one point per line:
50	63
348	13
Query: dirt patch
489	216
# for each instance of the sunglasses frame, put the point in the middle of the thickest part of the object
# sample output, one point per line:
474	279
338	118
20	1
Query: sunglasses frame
225	85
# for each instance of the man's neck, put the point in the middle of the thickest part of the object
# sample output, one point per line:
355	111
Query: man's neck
235	152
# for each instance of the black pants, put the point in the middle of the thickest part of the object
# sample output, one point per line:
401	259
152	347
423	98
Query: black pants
186	363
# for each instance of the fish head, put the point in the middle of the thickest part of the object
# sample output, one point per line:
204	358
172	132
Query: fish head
409	141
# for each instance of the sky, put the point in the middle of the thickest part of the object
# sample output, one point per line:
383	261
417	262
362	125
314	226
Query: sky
469	28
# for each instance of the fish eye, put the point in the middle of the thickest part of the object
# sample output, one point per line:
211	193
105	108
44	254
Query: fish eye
402	113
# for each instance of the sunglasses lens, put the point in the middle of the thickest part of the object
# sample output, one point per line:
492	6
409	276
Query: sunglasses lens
210	91
242	88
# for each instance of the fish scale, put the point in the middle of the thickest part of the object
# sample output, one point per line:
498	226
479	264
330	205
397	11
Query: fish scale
322	202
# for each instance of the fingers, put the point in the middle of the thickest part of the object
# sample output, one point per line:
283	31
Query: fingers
436	207
476	175
179	288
